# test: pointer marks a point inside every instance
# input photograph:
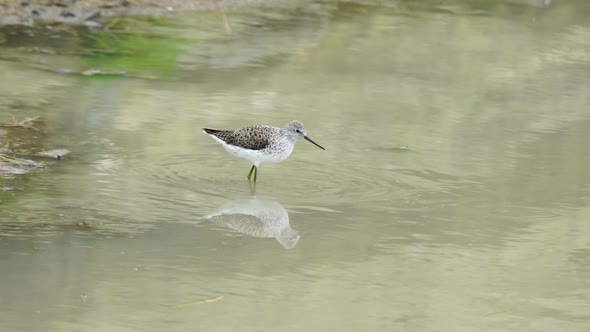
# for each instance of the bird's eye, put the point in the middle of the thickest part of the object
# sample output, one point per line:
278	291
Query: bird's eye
297	131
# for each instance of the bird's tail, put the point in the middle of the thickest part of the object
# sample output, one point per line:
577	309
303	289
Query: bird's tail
210	131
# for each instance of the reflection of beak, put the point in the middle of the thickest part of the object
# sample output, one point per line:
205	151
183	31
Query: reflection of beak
314	143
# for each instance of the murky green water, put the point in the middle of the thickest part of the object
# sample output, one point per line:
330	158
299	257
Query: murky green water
454	194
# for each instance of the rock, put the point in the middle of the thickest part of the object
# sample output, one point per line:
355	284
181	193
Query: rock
91	72
67	13
35	13
92	24
92	16
56	154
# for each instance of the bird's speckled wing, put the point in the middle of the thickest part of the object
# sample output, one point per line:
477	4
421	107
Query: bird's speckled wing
253	138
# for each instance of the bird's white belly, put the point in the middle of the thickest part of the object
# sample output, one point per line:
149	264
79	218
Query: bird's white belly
258	157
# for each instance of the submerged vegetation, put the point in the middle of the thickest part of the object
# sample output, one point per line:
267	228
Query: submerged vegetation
126	52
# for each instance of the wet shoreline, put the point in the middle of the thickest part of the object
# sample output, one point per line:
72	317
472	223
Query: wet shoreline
93	12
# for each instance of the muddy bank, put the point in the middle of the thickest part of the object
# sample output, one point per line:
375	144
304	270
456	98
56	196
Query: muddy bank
93	12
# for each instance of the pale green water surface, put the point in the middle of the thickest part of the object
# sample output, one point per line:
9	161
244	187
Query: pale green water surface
454	194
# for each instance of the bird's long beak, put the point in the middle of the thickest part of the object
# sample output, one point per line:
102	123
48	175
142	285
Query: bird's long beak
314	143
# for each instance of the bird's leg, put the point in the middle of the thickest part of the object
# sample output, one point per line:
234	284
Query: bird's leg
250	174
255	173
252	186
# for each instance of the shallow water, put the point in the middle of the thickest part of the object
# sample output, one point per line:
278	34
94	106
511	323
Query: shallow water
453	194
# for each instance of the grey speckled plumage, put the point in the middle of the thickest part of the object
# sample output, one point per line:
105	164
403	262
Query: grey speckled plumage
253	137
261	143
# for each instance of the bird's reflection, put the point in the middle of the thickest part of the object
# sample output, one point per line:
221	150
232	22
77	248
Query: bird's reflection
257	218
